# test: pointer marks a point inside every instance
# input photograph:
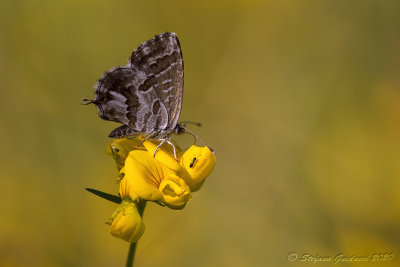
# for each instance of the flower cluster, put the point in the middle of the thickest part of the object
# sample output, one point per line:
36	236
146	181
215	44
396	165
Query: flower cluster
148	176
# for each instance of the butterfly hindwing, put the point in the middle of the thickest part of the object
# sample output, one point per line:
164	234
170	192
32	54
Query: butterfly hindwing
114	97
120	97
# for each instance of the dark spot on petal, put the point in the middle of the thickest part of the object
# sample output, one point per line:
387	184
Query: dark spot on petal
192	163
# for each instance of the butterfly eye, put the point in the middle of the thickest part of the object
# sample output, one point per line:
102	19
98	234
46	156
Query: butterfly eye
192	163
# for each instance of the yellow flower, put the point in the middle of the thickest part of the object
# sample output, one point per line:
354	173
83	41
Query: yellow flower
163	179
147	178
127	223
146	175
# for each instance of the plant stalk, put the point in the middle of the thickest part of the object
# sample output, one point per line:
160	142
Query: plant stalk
141	204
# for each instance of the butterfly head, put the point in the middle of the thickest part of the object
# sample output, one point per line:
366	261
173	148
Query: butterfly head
179	129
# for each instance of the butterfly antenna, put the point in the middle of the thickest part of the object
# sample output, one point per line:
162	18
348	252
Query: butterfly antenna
198	124
88	101
190	134
198	137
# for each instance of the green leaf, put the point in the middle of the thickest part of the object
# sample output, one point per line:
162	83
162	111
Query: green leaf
112	198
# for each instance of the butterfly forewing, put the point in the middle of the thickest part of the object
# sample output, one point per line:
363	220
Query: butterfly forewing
161	59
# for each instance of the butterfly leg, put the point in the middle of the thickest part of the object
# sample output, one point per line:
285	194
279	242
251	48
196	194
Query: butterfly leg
155	133
171	144
161	143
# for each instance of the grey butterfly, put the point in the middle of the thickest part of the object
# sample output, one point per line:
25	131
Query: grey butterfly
145	95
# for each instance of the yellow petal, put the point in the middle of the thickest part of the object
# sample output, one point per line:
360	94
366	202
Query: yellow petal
142	176
125	187
119	149
198	163
127	223
164	155
175	192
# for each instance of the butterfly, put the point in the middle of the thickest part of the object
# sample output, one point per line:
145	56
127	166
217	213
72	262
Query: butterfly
146	94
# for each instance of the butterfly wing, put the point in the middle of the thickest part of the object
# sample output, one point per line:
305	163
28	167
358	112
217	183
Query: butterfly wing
123	95
146	95
161	60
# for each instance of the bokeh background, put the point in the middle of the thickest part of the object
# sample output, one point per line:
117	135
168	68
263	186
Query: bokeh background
299	99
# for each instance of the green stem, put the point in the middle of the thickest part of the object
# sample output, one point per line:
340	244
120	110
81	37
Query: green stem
131	255
141	204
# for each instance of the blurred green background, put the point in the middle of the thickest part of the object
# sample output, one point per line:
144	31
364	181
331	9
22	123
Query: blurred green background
299	99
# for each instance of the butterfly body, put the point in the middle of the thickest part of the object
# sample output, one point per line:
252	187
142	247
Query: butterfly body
145	95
